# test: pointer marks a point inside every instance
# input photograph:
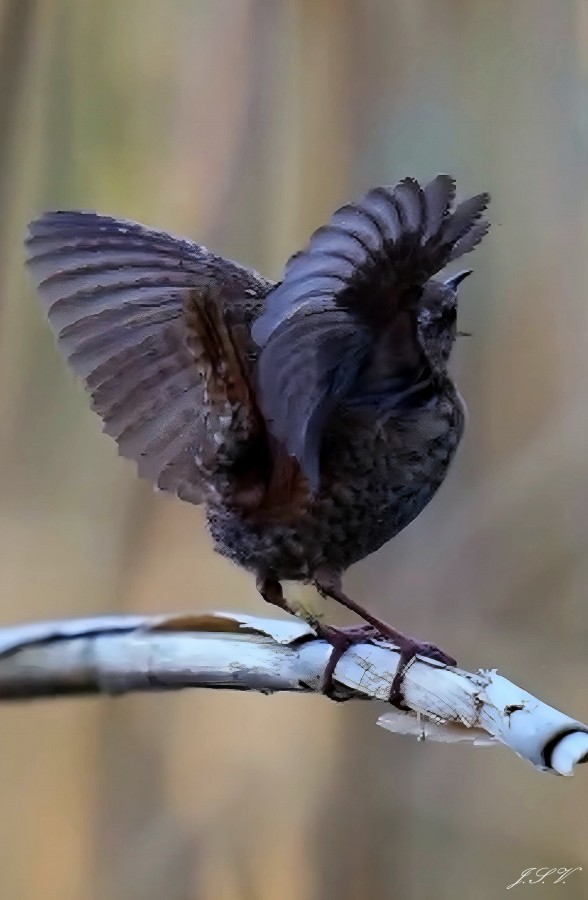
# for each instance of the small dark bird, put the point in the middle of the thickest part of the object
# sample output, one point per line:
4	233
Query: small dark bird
315	418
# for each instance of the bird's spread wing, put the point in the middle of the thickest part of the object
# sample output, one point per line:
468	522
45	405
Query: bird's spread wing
144	317
358	274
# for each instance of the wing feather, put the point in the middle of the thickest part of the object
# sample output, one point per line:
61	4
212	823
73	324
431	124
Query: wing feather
117	296
359	272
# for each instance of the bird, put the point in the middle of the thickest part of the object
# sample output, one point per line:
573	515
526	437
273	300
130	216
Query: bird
313	417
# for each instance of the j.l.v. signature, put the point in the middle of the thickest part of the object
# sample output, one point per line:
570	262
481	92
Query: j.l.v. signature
539	876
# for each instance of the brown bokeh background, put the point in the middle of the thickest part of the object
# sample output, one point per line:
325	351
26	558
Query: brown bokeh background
243	123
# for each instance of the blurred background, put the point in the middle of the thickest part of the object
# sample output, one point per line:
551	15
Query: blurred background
244	123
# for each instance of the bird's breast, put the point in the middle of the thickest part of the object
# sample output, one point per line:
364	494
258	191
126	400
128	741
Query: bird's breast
377	474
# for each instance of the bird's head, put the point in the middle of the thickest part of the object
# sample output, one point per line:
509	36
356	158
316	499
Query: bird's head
437	318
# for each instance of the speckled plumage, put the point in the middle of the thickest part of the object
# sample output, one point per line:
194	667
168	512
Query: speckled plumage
314	418
379	474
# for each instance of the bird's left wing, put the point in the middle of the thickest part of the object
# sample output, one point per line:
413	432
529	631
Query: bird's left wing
155	325
361	274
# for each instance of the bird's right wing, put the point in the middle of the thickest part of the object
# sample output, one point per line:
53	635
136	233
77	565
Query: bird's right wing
359	273
151	323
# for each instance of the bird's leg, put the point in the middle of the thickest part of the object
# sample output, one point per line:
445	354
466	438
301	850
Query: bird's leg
271	591
329	585
340	639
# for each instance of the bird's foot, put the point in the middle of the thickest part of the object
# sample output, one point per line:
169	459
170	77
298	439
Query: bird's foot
340	640
409	649
328	584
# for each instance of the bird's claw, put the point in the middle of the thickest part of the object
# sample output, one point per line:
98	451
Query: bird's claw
409	649
340	640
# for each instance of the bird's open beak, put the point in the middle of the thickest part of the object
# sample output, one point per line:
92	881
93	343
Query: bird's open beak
456	280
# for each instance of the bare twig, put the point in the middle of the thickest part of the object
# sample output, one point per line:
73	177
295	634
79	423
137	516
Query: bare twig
118	654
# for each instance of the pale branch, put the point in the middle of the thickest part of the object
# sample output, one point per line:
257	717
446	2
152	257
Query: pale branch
118	654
